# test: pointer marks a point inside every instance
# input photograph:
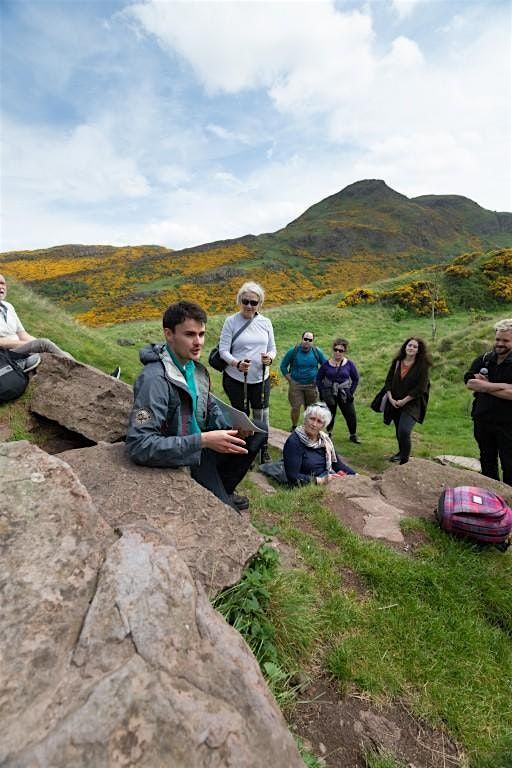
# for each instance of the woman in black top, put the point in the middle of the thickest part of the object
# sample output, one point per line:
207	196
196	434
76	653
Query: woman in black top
407	385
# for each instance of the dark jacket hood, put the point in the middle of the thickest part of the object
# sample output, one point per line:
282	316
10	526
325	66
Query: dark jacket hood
151	353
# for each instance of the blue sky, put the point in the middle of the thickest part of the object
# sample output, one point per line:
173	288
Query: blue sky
179	123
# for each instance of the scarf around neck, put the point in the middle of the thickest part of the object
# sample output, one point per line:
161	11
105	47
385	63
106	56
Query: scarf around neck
323	441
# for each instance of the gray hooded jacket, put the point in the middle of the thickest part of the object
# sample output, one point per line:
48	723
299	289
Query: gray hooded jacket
159	426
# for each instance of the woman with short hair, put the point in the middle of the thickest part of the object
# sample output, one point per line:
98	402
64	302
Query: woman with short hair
337	381
407	384
309	454
248	347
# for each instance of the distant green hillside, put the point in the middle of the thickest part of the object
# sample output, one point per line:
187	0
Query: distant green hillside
364	233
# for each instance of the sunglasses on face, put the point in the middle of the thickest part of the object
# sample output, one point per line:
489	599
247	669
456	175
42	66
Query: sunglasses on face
306	338
251	302
338	349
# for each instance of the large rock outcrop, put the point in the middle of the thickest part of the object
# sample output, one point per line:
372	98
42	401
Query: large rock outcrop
215	541
81	399
111	653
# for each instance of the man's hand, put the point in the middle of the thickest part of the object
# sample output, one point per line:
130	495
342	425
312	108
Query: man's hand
479	384
10	342
223	441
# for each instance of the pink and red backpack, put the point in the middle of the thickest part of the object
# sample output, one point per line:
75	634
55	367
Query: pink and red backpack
476	514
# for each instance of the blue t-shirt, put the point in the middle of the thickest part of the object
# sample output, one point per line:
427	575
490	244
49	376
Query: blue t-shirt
304	367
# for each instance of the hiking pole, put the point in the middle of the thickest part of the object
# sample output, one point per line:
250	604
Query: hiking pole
264	455
246	394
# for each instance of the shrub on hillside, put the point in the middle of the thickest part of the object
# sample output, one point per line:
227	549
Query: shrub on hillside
458	272
416	297
499	264
501	288
358	296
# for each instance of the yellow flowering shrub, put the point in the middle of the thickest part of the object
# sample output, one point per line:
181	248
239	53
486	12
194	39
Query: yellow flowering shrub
416	297
501	288
274	378
358	296
457	271
500	263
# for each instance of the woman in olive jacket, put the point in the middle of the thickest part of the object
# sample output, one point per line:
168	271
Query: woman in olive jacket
407	385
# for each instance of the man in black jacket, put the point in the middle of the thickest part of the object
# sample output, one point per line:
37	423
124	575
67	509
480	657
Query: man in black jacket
490	378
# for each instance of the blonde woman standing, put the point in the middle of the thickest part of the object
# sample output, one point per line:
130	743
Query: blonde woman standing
248	347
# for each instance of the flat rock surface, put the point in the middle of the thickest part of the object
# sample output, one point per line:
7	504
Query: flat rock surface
374	506
111	652
463	462
215	541
81	398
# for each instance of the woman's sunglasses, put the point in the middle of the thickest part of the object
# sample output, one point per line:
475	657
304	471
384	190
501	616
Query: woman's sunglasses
252	302
338	349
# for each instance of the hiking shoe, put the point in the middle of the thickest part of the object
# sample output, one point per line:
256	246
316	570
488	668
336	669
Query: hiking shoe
29	363
265	455
239	502
395	458
355	439
116	373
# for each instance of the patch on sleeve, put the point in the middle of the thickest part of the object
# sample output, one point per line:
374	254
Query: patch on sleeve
142	415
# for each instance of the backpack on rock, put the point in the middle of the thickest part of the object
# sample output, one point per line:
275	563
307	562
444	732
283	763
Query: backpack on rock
13	379
476	514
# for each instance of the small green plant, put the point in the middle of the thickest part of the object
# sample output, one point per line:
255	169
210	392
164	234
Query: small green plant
398	313
245	605
381	759
310	761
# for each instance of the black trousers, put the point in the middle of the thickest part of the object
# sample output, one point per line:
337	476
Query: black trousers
495	442
220	473
404	424
347	409
257	398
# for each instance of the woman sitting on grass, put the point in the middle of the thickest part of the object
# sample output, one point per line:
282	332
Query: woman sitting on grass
309	454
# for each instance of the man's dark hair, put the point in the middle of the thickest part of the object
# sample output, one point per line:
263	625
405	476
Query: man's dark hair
177	313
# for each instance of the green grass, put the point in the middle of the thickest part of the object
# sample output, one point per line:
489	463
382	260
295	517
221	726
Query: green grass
434	629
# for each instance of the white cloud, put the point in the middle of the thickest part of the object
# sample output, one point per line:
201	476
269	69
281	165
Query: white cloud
404	8
80	166
227	135
233	46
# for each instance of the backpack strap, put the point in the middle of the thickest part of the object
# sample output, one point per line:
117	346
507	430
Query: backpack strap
294	355
240	330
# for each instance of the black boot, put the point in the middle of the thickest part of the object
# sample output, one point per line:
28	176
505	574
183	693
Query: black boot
265	455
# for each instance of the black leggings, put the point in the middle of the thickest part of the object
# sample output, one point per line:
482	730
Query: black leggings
347	409
234	389
404	424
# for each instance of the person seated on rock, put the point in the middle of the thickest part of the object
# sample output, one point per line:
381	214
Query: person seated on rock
309	454
175	420
14	337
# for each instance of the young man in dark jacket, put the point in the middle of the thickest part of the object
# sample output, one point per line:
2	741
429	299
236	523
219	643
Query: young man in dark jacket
490	378
175	420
